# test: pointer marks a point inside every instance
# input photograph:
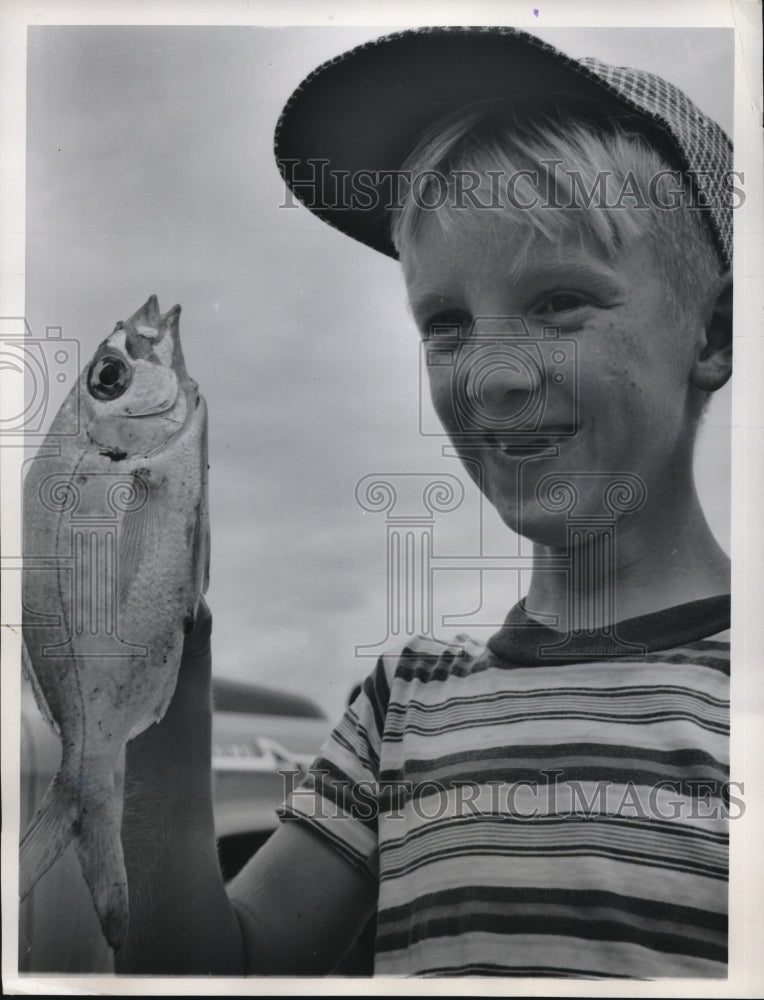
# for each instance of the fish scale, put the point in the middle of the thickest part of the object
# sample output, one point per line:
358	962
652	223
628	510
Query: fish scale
116	554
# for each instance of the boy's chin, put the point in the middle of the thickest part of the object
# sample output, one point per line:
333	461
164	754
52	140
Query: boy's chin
531	521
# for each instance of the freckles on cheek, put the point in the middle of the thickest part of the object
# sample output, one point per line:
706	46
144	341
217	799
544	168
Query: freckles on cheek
615	362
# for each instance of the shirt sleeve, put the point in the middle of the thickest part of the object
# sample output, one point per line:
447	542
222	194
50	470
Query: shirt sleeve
339	797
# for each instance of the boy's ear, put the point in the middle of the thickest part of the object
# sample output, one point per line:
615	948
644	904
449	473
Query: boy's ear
713	365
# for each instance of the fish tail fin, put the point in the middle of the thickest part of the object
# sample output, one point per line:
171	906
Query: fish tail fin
99	848
48	835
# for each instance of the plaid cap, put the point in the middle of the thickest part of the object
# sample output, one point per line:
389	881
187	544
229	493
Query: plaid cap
360	115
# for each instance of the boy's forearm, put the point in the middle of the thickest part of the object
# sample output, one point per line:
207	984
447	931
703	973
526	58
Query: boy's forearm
181	920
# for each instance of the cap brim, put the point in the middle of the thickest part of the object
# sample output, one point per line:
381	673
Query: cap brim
361	114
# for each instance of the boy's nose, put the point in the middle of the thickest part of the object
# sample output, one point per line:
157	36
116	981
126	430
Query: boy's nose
497	385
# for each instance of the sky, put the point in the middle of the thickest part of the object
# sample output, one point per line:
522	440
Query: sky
150	170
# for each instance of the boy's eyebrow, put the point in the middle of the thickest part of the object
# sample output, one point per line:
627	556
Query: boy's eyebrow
426	304
577	263
572	269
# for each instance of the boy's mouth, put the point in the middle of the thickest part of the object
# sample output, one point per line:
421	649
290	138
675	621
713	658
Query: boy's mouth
524	445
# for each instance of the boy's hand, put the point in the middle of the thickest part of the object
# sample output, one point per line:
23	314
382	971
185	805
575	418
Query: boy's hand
299	904
193	688
199	636
180	917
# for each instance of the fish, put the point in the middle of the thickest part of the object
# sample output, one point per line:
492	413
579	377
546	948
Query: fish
116	560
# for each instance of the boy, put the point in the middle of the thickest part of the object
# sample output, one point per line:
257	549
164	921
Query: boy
552	803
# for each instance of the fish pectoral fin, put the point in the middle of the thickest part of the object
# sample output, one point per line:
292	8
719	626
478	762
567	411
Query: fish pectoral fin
137	535
99	849
48	835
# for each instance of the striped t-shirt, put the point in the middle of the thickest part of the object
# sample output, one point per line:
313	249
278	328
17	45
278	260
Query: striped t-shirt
536	812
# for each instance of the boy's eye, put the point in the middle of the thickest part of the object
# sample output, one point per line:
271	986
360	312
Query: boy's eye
449	325
560	302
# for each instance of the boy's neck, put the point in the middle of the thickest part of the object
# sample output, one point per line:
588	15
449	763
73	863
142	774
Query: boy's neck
659	563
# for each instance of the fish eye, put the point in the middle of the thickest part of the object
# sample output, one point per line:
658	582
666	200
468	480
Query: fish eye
108	377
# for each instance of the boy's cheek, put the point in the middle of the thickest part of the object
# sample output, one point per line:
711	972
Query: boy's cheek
442	398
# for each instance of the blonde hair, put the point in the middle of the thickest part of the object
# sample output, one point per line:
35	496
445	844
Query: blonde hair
558	176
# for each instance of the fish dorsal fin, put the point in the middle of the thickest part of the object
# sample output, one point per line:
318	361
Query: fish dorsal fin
206	577
201	551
